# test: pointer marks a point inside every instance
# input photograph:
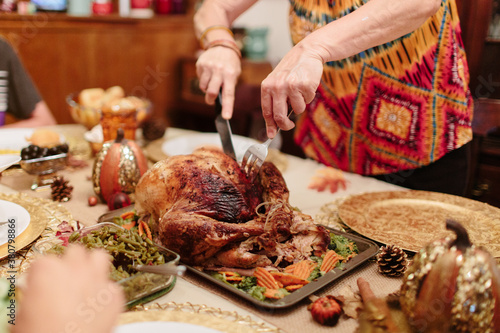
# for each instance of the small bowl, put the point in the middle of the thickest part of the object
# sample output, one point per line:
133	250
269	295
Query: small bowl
44	168
90	117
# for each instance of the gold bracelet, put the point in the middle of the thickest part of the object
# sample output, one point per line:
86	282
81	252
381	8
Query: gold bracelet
225	43
213	27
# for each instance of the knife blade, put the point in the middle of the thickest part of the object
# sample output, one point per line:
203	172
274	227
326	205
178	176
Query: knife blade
224	129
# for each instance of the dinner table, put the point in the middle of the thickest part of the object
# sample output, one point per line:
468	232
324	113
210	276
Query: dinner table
194	299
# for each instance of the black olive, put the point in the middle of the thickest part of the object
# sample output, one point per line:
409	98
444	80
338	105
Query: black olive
33	154
44	152
25	153
63	148
53	151
33	148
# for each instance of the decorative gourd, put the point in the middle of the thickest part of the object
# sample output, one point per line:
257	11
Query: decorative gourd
118	167
452	286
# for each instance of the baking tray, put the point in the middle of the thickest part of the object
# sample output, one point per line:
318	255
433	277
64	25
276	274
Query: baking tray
367	249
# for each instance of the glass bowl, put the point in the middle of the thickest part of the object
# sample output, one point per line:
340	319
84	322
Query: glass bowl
90	117
140	287
44	168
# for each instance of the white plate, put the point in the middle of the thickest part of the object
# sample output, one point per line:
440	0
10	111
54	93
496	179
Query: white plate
14	138
7	160
186	144
11	211
162	326
95	134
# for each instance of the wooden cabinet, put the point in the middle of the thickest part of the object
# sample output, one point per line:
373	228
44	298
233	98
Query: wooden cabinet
66	54
483	54
485	185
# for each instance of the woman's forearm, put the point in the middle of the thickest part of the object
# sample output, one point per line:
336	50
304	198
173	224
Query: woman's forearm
219	12
375	23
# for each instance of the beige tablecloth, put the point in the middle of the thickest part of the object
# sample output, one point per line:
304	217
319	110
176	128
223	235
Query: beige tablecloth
191	288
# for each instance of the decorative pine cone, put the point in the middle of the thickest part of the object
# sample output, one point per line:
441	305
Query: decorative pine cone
392	260
61	191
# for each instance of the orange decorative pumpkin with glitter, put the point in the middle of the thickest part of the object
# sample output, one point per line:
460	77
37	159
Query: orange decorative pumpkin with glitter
452	286
118	167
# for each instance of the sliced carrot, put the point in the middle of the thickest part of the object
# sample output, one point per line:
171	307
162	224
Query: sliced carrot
228	273
129	225
234	278
304	268
288	279
290	269
143	227
329	261
127	215
265	279
273	293
294	287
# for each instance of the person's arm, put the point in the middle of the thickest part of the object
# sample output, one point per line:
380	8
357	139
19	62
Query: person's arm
219	66
41	116
298	74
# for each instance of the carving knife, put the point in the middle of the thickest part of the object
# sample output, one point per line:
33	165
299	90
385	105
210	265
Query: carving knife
224	129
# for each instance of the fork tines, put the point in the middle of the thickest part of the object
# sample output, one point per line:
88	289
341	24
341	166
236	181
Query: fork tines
254	158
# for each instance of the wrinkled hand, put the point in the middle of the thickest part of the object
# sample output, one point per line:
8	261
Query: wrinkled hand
219	67
293	82
70	294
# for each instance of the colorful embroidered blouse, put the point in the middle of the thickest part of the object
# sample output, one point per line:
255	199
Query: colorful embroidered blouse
398	106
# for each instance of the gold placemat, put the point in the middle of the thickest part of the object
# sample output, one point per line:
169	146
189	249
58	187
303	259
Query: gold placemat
202	315
412	219
45	215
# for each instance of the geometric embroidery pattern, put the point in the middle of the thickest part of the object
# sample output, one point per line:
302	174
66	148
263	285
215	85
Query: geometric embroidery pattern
394	107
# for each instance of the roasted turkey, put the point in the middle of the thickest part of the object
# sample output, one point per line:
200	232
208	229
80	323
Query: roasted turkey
205	208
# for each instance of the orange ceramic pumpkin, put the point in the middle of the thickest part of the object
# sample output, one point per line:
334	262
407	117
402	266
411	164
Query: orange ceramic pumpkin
118	167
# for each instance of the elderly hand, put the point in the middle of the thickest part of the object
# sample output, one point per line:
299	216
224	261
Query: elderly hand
293	82
219	67
70	294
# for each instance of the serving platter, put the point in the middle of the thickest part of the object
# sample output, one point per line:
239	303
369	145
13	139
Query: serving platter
160	149
186	144
163	326
412	219
367	249
199	318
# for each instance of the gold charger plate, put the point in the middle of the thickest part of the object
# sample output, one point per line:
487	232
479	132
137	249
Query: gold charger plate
412	219
45	215
196	314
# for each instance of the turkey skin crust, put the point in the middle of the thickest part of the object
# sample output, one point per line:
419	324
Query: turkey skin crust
204	208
